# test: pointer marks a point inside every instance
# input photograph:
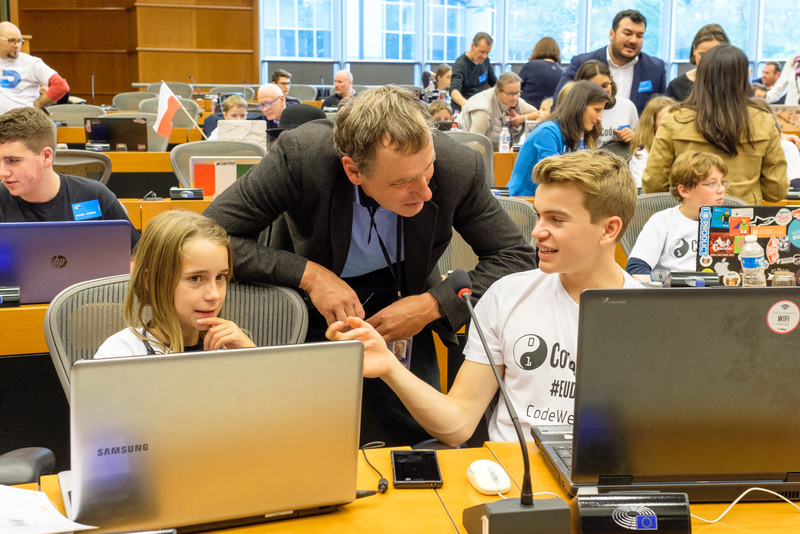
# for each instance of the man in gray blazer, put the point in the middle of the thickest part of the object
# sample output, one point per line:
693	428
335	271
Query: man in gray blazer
344	196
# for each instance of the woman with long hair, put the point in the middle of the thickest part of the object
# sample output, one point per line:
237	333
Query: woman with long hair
574	124
540	75
720	117
706	38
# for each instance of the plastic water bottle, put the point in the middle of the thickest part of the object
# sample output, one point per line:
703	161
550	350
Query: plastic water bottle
753	263
505	141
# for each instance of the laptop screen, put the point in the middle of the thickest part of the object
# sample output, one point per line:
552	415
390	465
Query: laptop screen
117	134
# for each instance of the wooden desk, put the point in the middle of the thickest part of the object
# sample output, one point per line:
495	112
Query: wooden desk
503	165
141	211
22	330
77	135
428	510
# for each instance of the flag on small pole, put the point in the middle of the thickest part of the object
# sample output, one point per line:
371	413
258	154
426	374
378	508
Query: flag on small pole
168	105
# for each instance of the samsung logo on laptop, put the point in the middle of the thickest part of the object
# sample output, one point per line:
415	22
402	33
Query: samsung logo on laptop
124	449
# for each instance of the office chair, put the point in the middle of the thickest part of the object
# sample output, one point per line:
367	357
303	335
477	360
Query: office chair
130	101
648	204
155	143
459	255
180	119
180	155
180	89
73	114
303	92
248	92
26	465
86	163
81	317
482	144
356	88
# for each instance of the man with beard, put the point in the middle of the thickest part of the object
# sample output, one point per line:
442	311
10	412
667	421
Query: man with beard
637	75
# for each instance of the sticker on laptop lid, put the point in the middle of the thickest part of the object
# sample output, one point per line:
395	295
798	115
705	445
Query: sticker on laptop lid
783	317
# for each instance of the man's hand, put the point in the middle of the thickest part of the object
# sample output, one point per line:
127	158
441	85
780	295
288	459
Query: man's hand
378	359
331	296
406	317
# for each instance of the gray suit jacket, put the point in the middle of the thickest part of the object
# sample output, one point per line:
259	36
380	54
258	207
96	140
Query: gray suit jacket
303	179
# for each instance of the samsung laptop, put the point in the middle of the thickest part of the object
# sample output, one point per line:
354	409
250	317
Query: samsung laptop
43	258
207	440
116	134
721	234
691	390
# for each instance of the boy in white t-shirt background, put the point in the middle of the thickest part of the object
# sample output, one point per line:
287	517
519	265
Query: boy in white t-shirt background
668	240
585	200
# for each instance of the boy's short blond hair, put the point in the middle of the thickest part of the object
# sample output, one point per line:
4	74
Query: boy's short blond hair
234	101
439	105
604	178
691	168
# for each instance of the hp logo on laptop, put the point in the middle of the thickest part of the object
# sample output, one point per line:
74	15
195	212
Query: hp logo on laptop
59	262
634	517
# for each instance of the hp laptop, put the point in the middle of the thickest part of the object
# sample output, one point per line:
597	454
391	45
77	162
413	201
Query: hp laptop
42	258
207	440
114	133
686	389
721	234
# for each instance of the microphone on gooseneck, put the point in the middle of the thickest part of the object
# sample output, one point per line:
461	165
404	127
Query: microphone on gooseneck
509	515
195	90
93	88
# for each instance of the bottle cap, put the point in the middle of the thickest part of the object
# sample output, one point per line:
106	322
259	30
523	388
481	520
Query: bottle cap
750	238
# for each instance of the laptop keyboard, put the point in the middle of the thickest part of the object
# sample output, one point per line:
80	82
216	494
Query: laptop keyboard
565	453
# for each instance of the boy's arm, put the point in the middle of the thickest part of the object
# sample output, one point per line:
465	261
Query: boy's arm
450	418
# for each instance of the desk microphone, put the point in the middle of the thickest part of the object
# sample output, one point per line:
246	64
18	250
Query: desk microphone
93	88
509	515
195	90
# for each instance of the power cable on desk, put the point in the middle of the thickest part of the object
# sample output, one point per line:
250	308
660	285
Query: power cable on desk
383	484
739	498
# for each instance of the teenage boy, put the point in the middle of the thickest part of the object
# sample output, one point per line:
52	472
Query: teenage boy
668	241
32	190
234	108
584	200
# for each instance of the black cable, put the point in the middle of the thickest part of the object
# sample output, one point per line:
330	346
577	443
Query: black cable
383	484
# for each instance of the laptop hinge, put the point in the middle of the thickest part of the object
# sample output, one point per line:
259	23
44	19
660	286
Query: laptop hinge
792	477
615	480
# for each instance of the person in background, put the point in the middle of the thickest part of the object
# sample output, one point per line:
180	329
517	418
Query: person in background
541	74
32	190
620	117
437	81
500	106
788	84
23	74
234	108
271	103
575	124
585	202
759	91
706	38
343	88
180	277
651	117
668	240
720	117
638	76
472	72
283	79
440	111
769	76
546	107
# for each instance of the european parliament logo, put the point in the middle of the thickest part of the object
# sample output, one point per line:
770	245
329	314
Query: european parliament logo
635	517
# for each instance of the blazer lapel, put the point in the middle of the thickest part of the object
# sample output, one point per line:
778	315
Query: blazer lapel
341	222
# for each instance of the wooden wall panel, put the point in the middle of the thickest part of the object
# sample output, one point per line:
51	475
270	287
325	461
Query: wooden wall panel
218	68
172	27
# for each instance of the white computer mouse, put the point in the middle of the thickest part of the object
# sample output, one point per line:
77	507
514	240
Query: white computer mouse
488	477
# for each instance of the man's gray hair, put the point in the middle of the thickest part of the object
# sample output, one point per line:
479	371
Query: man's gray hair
385	115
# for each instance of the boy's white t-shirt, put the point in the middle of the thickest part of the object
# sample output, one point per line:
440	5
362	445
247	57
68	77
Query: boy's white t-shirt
623	113
668	241
531	327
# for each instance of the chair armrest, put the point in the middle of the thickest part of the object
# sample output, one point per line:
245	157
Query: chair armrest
27	465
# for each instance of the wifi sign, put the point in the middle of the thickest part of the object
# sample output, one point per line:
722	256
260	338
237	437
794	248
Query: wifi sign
783	317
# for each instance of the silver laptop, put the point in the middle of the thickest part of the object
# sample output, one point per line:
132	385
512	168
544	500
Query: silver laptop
254	131
685	389
214	439
43	258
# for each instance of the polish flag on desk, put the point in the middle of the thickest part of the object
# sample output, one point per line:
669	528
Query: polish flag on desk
168	104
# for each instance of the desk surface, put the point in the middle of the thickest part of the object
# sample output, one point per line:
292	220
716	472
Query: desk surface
428	510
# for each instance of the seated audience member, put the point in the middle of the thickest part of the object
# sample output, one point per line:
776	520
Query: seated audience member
541	74
654	111
180	277
584	201
720	117
234	108
668	241
620	117
283	79
787	88
546	107
442	115
759	91
343	88
490	110
440	81
32	190
294	116
706	38
573	125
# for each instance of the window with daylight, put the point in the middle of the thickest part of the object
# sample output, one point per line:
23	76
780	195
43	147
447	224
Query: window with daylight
530	20
297	29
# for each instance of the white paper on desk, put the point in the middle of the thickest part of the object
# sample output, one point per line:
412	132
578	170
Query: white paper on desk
31	512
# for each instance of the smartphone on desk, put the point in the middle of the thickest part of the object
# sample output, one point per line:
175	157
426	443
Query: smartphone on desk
416	469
